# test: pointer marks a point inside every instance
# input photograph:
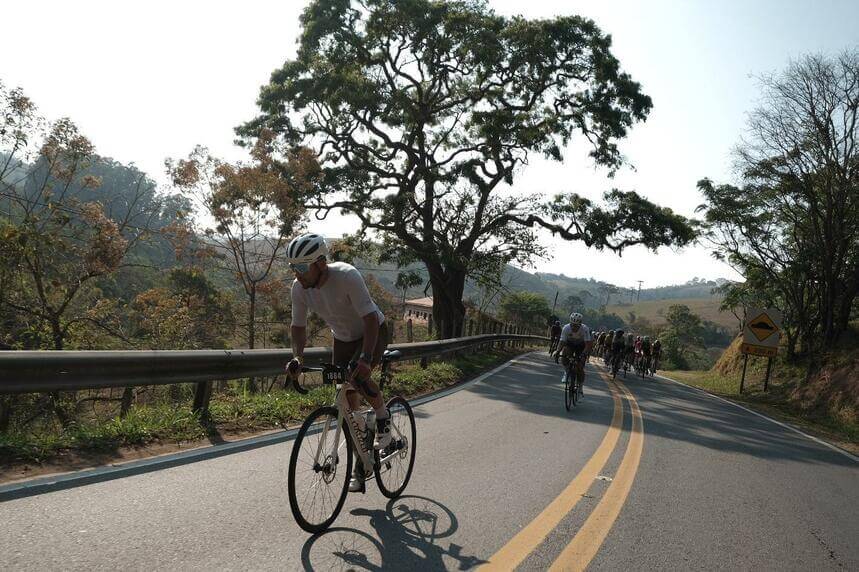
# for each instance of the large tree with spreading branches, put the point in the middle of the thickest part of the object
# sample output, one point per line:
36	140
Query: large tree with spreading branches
422	114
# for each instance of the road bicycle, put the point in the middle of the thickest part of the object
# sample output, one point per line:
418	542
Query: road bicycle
320	465
573	382
645	366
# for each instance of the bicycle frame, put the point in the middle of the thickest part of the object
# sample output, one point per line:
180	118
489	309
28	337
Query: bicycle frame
362	440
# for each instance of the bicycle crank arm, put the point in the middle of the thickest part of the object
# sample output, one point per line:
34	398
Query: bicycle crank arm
400	445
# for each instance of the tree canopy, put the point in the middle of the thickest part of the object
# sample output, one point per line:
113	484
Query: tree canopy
792	226
525	308
423	113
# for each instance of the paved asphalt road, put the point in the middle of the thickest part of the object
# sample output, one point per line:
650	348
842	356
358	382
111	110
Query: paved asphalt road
505	476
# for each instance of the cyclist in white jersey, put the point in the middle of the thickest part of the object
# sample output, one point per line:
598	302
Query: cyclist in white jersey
576	338
336	291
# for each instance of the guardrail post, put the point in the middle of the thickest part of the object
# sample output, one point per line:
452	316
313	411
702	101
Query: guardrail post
202	396
471	333
410	336
480	330
5	412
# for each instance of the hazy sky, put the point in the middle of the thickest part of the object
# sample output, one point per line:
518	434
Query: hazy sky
149	80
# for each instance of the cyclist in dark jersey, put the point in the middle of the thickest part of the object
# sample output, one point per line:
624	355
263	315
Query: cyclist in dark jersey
646	348
556	335
657	354
617	349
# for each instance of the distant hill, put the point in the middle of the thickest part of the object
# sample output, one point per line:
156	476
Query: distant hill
697	293
654	310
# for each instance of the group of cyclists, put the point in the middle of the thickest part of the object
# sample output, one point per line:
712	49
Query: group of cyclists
336	291
620	350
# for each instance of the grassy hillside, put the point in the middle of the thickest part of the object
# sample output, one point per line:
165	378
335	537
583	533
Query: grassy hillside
654	310
822	397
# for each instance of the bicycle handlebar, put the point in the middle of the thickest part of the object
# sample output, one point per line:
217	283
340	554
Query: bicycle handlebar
332	374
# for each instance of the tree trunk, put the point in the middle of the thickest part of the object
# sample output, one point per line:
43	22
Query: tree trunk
125	404
844	311
56	405
791	344
251	383
448	309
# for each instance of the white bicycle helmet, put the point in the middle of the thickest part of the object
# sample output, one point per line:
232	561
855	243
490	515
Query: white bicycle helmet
306	249
575	318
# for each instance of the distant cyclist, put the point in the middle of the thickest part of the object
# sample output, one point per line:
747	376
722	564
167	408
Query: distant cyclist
637	351
337	292
646	354
609	341
601	343
618	346
657	354
576	340
556	336
629	350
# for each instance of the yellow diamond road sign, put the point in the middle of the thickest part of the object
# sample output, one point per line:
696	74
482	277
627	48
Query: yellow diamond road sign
762	327
761	333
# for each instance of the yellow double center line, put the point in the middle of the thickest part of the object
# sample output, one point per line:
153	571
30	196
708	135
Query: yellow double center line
587	541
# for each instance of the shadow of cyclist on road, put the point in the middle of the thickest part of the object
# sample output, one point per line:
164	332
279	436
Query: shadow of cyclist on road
407	535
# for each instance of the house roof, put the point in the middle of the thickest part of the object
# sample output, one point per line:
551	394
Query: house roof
425	302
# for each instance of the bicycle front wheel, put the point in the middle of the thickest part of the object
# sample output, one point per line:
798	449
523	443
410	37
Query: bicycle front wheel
568	390
395	462
319	470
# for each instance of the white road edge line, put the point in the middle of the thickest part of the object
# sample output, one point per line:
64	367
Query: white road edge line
835	448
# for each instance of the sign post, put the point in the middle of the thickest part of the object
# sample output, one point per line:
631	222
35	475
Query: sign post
767	376
761	334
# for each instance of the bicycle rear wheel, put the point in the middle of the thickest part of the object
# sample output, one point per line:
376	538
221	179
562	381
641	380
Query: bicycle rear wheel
580	385
319	470
395	462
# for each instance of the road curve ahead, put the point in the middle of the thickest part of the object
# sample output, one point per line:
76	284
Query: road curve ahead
642	475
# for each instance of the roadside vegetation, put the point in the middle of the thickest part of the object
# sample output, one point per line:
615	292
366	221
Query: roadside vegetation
165	416
820	397
790	226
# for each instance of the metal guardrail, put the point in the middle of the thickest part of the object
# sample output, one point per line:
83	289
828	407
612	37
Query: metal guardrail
41	371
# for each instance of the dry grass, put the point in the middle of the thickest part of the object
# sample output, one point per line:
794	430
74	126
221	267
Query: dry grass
654	310
826	404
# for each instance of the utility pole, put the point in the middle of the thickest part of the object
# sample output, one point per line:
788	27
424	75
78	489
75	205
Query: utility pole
555	303
638	298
